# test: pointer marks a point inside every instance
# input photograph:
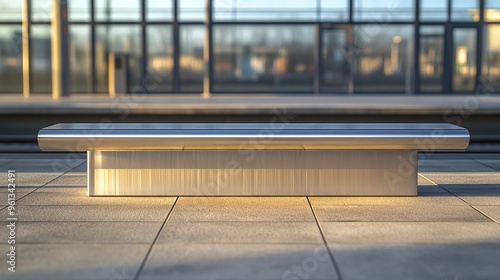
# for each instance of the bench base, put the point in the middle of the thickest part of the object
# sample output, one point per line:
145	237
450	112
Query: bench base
252	173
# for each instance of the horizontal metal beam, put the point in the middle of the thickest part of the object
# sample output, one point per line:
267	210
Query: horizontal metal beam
116	137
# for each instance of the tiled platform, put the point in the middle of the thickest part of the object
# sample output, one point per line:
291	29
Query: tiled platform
450	231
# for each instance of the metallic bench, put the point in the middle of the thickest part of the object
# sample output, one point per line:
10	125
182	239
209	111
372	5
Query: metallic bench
252	159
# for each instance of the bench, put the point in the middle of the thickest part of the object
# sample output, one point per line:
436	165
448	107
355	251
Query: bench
222	159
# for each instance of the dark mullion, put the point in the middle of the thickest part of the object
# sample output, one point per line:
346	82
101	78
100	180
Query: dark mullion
93	82
448	51
351	11
317	60
176	54
318	10
448	58
449	11
144	46
416	55
479	47
208	89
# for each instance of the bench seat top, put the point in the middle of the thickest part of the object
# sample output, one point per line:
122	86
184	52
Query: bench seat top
252	136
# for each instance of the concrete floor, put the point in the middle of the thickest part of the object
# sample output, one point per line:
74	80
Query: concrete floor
450	231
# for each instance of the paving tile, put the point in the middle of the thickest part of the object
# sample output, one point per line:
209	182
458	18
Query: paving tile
77	190
31	179
42	165
474	189
191	209
417	201
492	212
49	213
428	188
78	196
444	156
417	261
480	199
421	181
238	261
452	166
19	193
83	232
258	201
461	155
70	179
463	177
80	169
413	213
426	191
71	261
483	156
492	163
37	173
241	232
370	233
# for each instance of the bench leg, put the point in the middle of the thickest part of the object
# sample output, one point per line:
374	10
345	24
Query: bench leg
252	173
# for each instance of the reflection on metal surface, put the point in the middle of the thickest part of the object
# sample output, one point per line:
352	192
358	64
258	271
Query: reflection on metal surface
289	173
252	159
87	137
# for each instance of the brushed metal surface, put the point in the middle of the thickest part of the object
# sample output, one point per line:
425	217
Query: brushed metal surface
252	173
87	137
272	126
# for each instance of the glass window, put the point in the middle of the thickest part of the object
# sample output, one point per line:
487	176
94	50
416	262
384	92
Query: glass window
40	59
117	10
265	10
263	58
11	10
432	30
382	60
334	10
431	58
491	57
335	57
123	39
160	58
41	10
384	11
433	10
11	66
192	10
492	11
159	10
79	10
80	58
464	59
465	10
191	58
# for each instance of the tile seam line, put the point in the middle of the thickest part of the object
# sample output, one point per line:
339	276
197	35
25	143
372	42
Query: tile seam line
143	264
481	212
330	253
486	165
36	188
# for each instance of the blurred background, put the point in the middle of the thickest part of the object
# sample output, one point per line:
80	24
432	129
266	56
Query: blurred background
408	48
263	46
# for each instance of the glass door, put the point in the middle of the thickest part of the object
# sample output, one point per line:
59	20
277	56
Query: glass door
335	75
464	60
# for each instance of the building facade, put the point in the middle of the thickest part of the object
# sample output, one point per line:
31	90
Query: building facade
261	46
